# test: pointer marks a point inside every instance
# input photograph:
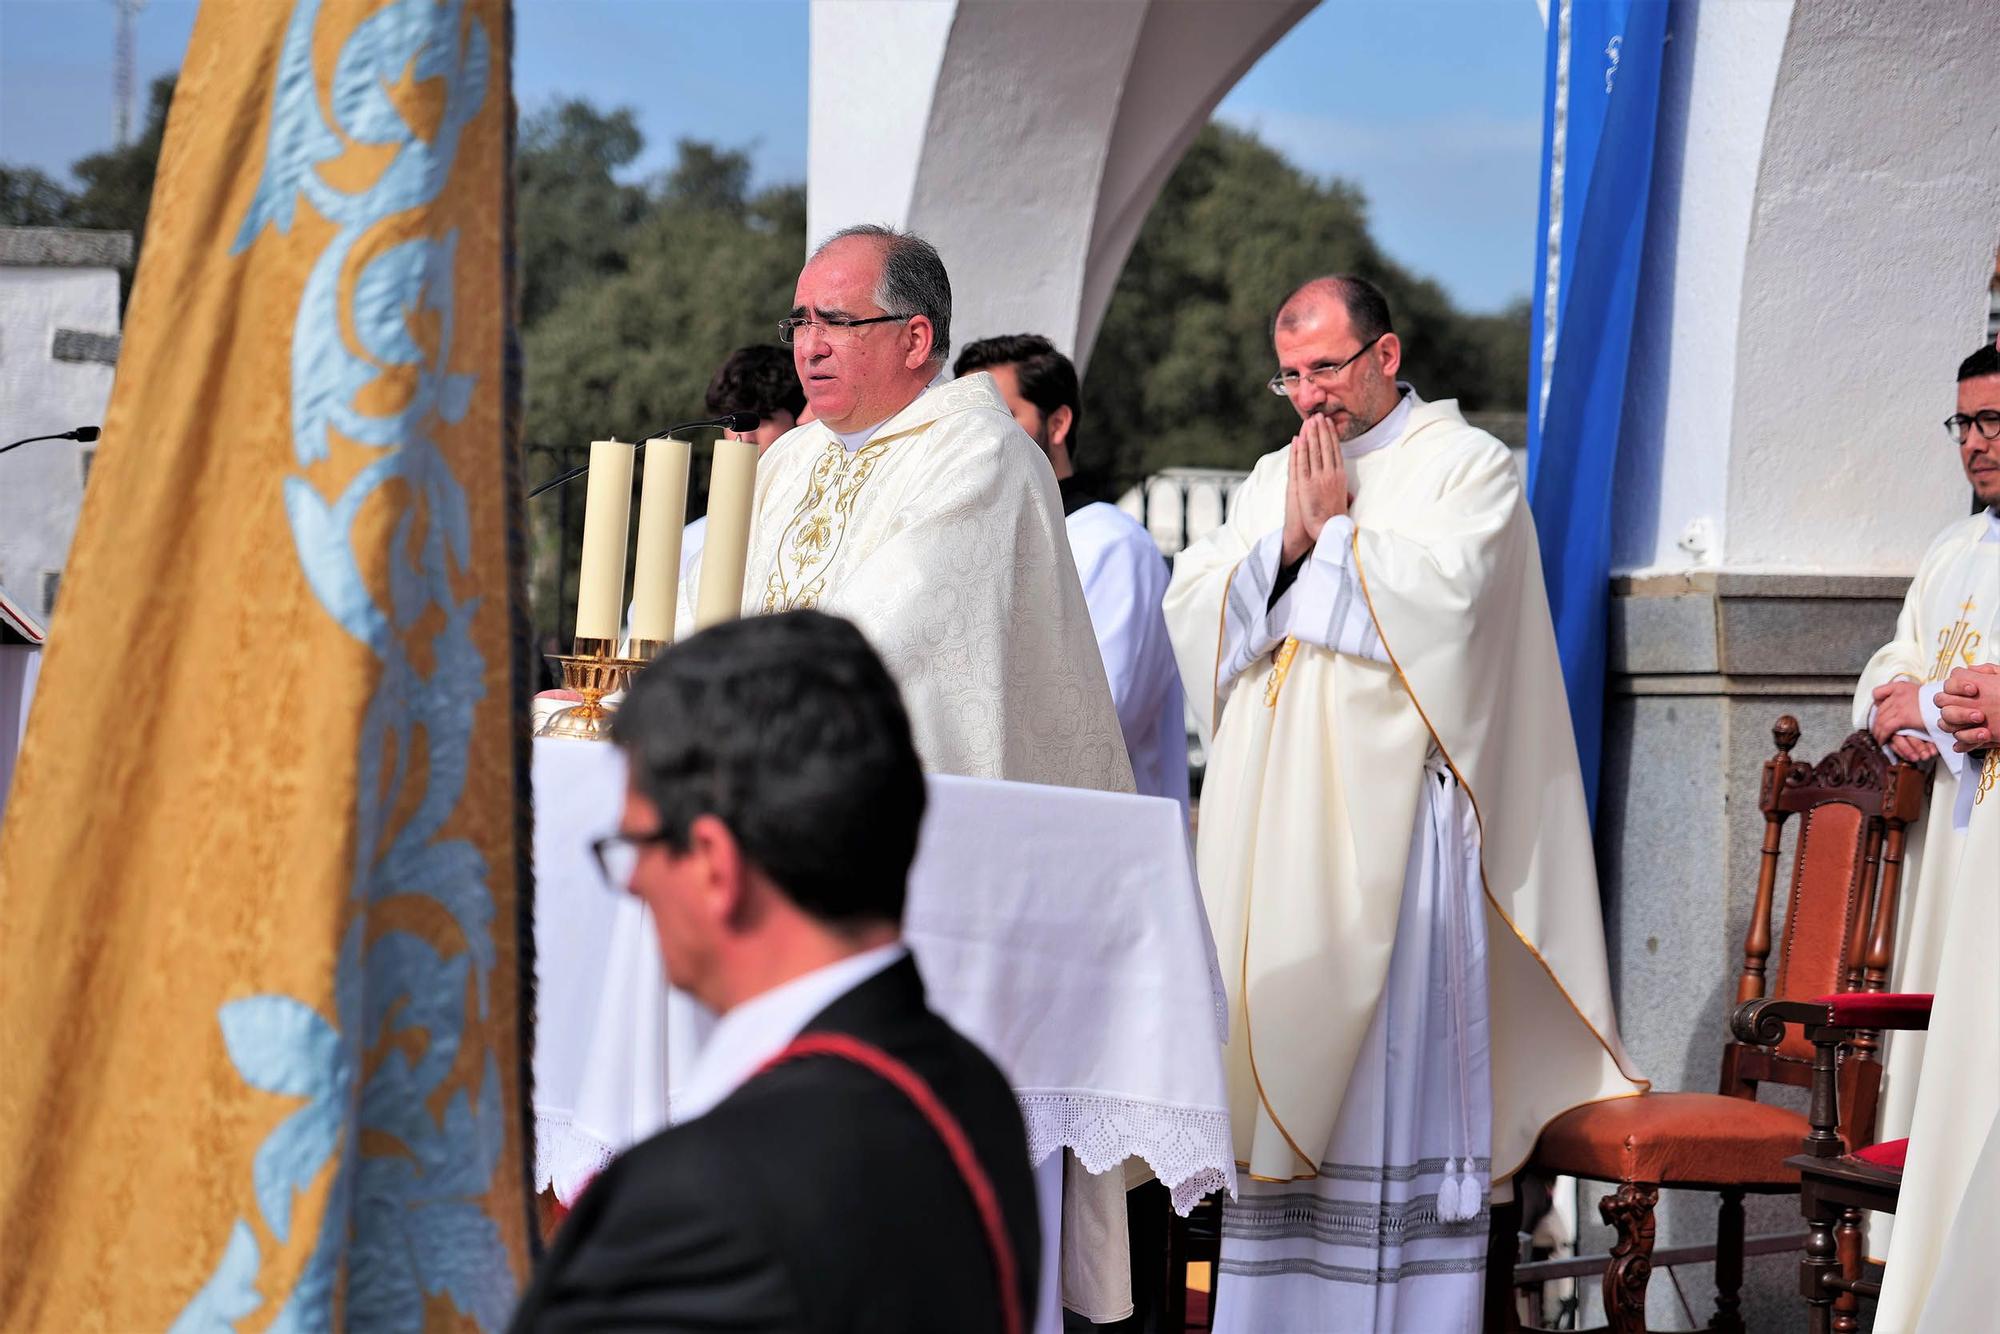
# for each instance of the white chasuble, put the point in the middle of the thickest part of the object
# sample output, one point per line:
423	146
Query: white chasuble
1441	642
1950	619
1948	1195
942	539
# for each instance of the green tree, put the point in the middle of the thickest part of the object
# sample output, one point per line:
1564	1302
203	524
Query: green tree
31	198
1178	374
573	217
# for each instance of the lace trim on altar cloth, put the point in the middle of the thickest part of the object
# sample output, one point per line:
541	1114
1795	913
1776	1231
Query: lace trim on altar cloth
567	1159
1190	1151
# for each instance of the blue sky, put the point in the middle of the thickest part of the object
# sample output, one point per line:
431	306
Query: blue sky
1432	106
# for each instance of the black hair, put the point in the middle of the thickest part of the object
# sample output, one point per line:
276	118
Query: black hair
1367	309
1046	377
759	379
1986	361
789	730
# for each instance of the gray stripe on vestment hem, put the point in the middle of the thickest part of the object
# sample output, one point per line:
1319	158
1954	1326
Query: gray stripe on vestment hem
1380	1276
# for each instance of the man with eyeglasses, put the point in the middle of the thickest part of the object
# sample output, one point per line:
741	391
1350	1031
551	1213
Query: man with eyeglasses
812	1181
1933	692
1393	842
916	507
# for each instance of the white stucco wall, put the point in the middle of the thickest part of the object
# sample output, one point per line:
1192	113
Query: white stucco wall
1027	141
1673	467
1876	216
41	485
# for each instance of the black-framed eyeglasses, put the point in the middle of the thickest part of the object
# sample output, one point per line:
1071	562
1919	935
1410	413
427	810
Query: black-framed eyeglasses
617	855
1286	383
1961	425
830	326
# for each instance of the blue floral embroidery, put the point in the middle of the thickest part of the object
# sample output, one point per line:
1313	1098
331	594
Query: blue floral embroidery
401	1225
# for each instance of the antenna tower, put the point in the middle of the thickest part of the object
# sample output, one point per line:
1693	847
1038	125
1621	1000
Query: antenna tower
122	62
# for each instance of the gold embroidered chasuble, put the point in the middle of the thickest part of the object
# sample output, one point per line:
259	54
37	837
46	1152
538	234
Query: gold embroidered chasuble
942	538
1313	786
1950	619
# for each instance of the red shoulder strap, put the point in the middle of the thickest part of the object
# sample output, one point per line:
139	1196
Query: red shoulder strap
912	1086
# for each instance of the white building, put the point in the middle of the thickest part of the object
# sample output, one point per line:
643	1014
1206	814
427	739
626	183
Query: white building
58	344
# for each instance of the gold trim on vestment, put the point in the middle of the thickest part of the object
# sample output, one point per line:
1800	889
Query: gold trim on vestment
818	526
1250	1042
1281	667
1485	885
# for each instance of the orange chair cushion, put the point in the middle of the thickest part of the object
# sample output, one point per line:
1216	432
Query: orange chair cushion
1675	1138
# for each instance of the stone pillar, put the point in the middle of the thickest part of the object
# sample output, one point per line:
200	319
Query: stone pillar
1825	208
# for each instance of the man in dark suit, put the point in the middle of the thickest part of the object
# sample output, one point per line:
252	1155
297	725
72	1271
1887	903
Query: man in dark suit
877	1181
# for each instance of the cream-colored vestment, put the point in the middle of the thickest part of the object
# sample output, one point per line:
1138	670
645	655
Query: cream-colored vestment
1314	783
942	538
1948	933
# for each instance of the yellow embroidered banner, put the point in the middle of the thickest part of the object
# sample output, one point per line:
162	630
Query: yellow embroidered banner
264	896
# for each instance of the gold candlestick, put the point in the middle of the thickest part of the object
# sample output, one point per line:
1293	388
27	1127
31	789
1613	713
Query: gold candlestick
592	672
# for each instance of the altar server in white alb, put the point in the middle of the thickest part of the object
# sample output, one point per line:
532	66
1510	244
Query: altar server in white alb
916	508
1933	691
1124	575
1393	844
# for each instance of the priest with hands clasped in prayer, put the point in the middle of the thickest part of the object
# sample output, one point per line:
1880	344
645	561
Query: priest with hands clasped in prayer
1393	842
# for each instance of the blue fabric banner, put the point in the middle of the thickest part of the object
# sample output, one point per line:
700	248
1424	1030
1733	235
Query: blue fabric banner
1599	115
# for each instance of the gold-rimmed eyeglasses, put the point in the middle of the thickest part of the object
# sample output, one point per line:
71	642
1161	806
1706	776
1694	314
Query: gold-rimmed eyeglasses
1285	383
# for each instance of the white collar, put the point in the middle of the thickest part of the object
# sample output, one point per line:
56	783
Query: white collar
1992	533
1387	431
760	1027
854	440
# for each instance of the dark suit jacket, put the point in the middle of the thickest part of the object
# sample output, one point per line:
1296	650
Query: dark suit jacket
813	1198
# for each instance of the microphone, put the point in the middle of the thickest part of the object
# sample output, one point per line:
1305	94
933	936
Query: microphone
86	434
735	421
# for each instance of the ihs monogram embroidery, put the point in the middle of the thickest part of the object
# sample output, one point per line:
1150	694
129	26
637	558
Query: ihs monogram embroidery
1960	644
813	537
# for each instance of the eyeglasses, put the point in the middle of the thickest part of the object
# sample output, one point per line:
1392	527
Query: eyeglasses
1961	425
1286	383
617	854
833	328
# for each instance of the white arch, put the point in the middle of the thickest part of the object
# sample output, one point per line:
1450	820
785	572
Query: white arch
1027	141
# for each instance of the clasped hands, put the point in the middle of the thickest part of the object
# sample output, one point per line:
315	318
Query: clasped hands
1316	486
1968	705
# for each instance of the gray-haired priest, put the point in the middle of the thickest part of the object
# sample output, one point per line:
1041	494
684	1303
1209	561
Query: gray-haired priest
1393	843
918	509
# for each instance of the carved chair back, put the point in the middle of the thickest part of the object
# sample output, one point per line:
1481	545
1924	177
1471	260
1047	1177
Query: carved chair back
1852	812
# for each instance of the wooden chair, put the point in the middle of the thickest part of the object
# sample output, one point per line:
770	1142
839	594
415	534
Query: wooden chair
1853	808
1836	1186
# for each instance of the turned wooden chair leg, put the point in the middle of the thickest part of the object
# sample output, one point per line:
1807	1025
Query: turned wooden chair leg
1503	1249
1821	1258
1630	1213
1847	1250
1728	1264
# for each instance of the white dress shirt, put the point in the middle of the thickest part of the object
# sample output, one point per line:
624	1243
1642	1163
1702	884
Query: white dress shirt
761	1027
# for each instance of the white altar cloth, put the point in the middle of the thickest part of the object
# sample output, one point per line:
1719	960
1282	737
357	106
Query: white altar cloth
1060	929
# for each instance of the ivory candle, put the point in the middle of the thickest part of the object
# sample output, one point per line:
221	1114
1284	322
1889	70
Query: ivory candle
656	571
607	507
732	485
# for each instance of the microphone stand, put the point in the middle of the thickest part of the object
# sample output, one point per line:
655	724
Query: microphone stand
85	434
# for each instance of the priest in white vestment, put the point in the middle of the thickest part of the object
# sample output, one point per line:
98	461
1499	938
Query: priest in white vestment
1393	843
1941	1088
916	508
1124	575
